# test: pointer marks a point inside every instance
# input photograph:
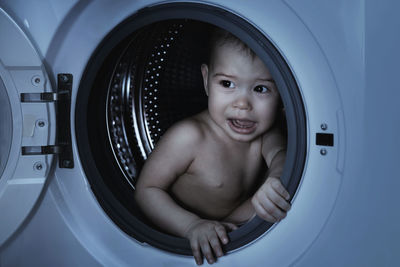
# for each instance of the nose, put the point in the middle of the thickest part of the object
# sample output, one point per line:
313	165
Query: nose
242	102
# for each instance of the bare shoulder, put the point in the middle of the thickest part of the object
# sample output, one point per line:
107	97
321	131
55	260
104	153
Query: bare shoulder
189	131
173	154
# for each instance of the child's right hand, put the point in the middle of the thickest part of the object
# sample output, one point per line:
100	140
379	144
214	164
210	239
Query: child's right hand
205	239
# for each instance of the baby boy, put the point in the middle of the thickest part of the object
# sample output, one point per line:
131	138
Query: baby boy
203	177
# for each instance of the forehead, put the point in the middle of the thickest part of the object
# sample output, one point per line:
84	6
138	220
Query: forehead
230	45
235	59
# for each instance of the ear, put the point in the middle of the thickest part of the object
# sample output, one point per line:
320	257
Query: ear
204	72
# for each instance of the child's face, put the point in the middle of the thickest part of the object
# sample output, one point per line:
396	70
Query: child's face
242	97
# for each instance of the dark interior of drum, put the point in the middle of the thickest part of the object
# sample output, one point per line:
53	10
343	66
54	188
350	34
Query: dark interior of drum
156	82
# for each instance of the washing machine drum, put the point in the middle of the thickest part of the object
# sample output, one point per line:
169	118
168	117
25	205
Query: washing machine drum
155	82
138	83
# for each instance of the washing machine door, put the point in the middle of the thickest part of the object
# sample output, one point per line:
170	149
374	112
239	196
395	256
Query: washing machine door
27	126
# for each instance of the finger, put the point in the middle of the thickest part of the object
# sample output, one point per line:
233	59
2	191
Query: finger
267	204
273	209
196	252
280	189
206	250
263	213
221	232
216	246
230	226
278	200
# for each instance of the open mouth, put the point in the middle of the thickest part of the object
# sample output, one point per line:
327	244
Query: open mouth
242	126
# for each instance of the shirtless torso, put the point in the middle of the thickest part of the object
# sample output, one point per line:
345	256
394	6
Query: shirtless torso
204	177
222	174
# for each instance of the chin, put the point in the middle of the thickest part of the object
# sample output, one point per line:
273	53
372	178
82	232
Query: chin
243	137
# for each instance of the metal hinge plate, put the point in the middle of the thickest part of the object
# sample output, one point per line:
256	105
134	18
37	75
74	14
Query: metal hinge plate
62	99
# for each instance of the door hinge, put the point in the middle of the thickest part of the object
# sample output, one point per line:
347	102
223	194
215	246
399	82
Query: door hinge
62	99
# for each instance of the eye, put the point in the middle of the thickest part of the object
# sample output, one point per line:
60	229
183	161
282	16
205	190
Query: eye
261	89
227	84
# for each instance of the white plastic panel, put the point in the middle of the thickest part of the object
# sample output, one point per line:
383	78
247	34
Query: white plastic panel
23	178
39	19
345	212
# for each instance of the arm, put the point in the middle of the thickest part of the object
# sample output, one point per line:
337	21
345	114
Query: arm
274	152
273	144
271	199
172	157
169	160
241	214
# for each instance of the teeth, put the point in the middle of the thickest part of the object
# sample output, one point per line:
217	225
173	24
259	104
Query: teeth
242	123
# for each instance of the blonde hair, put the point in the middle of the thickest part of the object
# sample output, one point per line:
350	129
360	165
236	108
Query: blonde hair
220	37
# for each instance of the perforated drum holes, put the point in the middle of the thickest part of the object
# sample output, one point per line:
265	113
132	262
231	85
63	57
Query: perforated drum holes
141	101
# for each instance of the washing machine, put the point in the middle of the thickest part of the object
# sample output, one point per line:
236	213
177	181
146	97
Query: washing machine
87	88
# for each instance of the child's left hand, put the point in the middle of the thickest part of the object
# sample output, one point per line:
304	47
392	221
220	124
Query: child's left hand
271	200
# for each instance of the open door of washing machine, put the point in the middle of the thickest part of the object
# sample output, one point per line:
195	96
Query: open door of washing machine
28	126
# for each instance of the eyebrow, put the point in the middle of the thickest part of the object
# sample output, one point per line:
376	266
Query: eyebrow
267	80
225	75
232	77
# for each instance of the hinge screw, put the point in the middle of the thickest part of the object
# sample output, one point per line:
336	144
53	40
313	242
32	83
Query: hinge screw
64	78
38	166
66	163
41	123
36	80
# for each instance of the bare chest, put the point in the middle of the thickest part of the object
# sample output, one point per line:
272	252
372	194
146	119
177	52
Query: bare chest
226	170
219	179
